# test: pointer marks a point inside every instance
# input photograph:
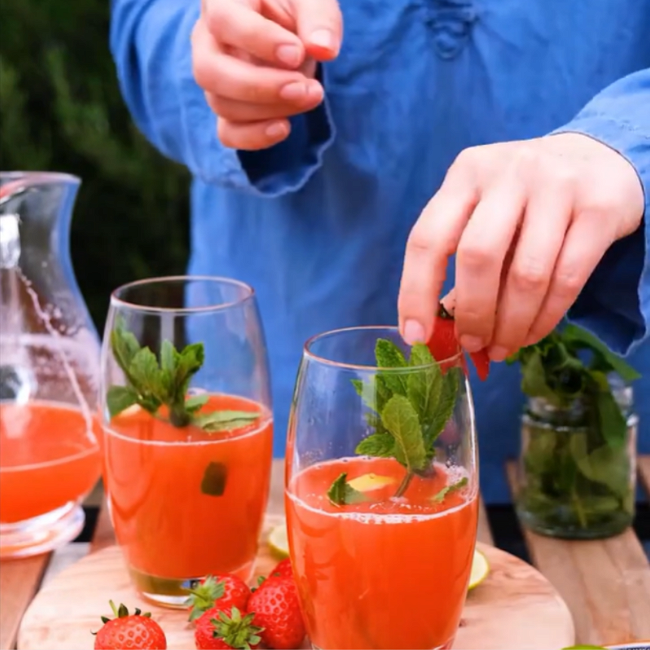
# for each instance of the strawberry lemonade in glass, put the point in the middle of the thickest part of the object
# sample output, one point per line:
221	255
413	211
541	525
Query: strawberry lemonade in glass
382	491
188	431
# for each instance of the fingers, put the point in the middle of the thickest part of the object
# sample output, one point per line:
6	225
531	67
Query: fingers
432	240
583	249
239	25
233	78
527	280
320	26
479	261
252	136
236	111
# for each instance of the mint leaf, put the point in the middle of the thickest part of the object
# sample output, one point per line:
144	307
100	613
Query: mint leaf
388	355
124	345
224	420
612	421
586	340
533	381
194	403
424	387
603	465
381	445
374	393
440	497
401	419
444	408
214	479
119	398
341	494
190	360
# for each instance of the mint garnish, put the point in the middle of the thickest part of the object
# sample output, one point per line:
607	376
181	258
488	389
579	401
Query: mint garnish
340	493
151	384
407	410
440	497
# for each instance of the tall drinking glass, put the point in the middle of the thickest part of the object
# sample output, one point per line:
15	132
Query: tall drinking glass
382	491
188	430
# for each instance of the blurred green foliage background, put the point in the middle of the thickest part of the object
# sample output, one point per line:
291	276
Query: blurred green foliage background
61	110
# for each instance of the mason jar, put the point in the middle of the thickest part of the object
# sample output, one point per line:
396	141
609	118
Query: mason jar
576	471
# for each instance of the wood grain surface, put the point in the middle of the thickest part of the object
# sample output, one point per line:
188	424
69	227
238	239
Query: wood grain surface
514	608
605	583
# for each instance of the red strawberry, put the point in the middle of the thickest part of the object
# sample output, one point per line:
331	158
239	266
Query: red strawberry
224	591
283	569
443	345
277	610
126	630
218	628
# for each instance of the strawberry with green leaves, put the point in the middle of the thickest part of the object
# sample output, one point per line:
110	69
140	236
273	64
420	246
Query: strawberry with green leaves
218	628
277	610
129	631
224	592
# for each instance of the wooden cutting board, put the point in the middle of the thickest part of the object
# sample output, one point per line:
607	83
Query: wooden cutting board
514	608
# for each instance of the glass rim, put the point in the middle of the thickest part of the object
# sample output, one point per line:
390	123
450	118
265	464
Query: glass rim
308	354
121	303
18	175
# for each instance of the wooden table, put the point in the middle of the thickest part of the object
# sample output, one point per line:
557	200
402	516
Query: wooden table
606	584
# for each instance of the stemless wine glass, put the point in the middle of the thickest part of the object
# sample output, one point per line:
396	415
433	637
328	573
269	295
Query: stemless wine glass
188	428
381	491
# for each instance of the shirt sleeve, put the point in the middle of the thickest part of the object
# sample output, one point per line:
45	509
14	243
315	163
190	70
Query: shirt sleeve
150	43
615	302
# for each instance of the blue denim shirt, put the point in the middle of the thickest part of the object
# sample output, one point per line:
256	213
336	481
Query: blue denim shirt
318	224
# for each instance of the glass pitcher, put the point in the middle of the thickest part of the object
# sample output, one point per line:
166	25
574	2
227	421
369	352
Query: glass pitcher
49	367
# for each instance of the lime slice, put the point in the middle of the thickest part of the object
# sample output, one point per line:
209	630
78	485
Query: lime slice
278	542
480	569
370	482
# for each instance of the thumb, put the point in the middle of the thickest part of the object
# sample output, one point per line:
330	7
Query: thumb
319	25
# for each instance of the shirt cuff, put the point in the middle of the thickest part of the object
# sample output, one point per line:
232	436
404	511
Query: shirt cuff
283	168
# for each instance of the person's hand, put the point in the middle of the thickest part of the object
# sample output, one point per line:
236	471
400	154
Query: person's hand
528	221
255	60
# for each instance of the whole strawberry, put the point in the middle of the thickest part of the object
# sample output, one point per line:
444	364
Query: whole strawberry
217	628
277	611
443	345
283	569
224	591
126	631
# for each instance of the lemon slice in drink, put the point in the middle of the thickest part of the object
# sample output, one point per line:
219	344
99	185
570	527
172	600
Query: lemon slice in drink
480	569
278	542
370	482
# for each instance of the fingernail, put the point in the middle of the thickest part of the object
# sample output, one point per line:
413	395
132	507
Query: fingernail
323	38
314	89
471	343
289	55
276	130
413	332
294	91
497	353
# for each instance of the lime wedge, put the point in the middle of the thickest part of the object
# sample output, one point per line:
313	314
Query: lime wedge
370	482
480	569
278	542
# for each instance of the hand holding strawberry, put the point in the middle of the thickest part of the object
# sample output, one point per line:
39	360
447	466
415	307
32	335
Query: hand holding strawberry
130	631
223	592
